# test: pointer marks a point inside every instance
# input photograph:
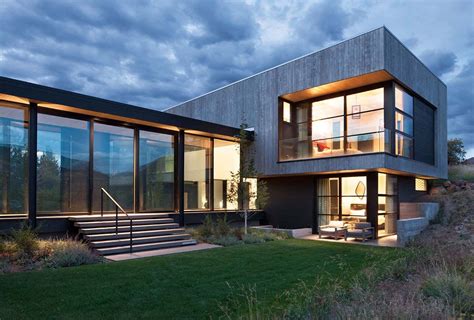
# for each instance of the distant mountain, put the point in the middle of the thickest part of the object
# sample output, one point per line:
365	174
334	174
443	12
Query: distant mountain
469	161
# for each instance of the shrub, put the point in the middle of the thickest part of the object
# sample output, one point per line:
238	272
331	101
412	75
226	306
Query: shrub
68	253
207	228
225	241
222	227
252	238
25	240
453	289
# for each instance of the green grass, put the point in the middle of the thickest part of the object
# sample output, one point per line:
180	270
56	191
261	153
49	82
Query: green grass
183	286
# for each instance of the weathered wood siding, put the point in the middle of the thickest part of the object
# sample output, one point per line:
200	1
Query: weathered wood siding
255	100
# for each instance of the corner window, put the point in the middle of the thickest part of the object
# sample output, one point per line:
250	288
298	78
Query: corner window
403	123
421	185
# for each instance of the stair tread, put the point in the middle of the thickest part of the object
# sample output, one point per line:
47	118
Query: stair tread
135	233
98	217
127	240
124	222
151	246
127	227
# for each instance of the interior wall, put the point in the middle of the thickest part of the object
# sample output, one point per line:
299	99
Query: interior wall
291	202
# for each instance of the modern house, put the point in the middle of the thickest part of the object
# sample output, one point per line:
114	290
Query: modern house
345	133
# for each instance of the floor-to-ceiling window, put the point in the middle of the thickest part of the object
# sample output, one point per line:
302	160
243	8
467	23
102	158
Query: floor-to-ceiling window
13	159
342	125
113	165
403	123
342	199
387	213
63	164
197	169
156	171
226	163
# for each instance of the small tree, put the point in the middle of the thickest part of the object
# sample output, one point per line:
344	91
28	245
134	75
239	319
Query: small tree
249	199
456	151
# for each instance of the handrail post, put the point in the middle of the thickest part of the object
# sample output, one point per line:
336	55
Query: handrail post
101	202
131	234
116	219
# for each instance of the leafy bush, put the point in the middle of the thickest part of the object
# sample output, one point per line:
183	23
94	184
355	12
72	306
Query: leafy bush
226	241
25	240
251	238
207	228
222	227
452	288
68	253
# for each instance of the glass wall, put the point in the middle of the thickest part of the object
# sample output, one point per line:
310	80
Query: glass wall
197	169
226	162
13	159
343	125
113	165
403	123
342	199
156	171
63	164
387	214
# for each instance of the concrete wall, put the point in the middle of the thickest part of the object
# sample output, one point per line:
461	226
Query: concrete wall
255	101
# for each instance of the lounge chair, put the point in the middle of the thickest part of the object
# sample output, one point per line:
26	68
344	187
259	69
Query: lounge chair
335	229
361	230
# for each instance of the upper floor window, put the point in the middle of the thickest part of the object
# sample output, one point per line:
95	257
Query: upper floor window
341	125
286	112
403	123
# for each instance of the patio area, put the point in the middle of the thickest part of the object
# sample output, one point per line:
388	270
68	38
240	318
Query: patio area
388	241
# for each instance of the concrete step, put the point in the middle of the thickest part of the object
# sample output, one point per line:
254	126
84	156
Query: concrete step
141	240
145	247
123	222
98	217
136	234
126	228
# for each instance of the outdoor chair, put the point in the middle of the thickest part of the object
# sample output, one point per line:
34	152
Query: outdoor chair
335	229
360	230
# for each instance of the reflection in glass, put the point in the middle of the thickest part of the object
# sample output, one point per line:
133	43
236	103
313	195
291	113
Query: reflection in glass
113	165
365	101
63	164
13	159
156	171
365	123
403	145
328	108
403	101
403	123
226	162
197	165
365	143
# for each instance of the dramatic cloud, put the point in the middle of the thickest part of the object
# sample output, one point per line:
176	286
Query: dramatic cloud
159	53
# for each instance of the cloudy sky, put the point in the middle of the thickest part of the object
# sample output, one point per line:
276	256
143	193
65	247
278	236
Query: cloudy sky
159	53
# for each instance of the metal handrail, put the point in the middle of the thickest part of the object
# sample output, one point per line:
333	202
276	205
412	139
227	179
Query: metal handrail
117	207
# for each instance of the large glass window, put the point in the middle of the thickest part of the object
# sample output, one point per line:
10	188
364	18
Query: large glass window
63	164
226	163
387	213
403	123
337	126
113	165
13	159
197	166
156	171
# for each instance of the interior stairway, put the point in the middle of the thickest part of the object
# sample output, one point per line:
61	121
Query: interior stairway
150	231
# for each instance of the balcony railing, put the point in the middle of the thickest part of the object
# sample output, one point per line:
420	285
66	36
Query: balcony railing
308	148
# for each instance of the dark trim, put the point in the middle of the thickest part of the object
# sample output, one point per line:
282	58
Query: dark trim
372	200
341	156
136	170
93	104
180	181
211	177
32	162
91	166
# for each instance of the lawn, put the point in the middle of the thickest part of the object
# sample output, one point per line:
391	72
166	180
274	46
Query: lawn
183	286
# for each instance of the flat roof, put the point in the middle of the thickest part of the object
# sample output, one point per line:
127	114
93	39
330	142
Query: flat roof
54	98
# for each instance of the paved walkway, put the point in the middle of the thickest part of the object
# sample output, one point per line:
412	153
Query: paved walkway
389	241
160	252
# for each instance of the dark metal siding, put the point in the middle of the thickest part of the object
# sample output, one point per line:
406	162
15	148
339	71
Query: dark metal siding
423	132
291	202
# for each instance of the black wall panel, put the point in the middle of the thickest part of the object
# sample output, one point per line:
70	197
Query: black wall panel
423	128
